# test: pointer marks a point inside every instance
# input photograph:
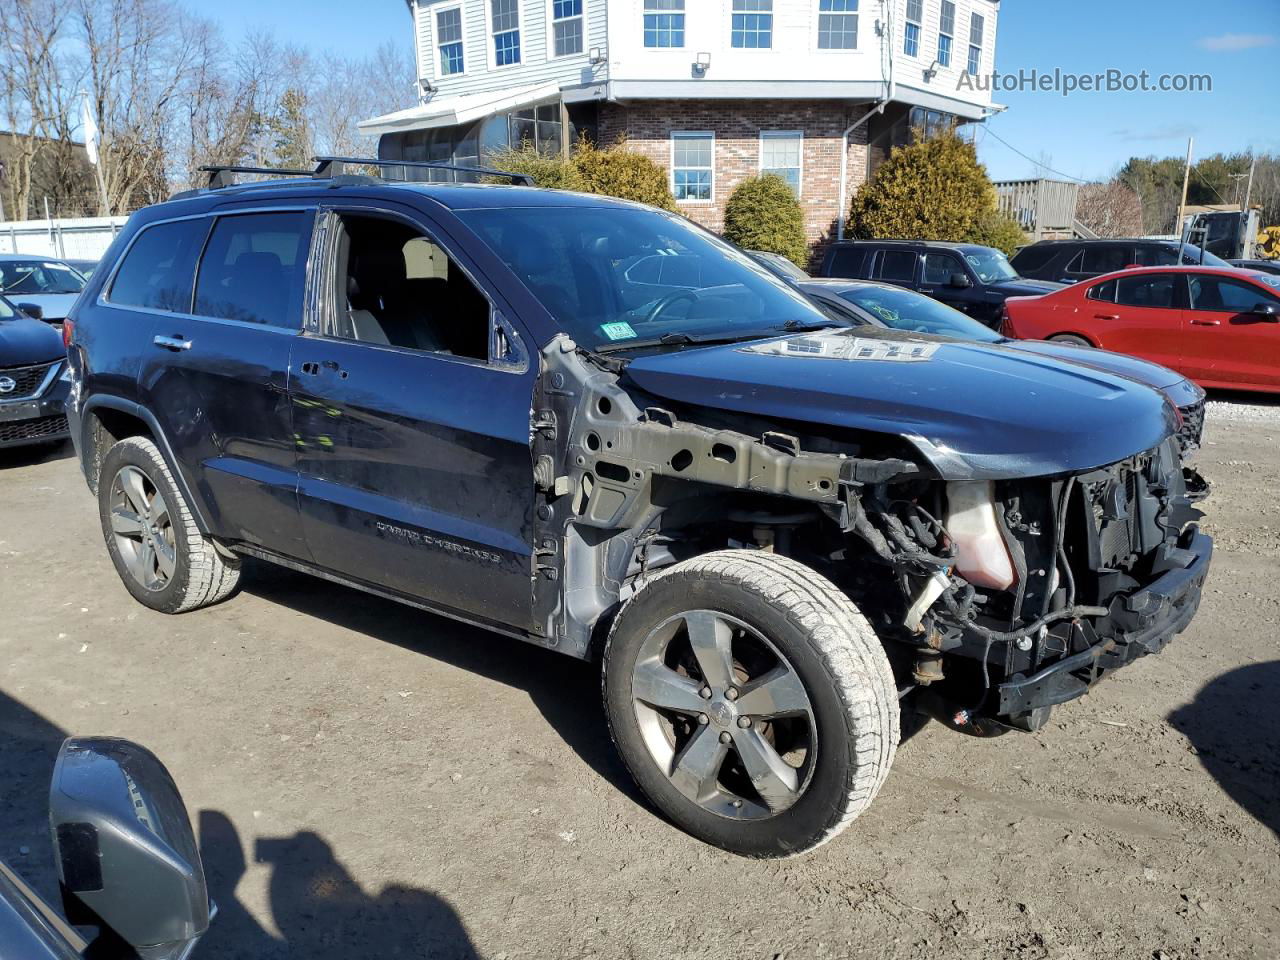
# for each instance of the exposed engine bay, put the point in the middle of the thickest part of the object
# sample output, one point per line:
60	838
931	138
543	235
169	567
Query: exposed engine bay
999	597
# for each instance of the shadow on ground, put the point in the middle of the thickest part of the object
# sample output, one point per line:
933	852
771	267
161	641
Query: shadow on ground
1234	725
564	689
36	453
317	907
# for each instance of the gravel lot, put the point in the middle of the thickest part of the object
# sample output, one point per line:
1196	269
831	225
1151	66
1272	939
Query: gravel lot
372	781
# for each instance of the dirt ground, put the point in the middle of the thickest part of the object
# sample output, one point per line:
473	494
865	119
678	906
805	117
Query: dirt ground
372	781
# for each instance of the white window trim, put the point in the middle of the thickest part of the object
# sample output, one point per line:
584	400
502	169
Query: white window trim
684	11
779	135
918	24
688	135
937	52
773	31
491	54
816	33
551	32
437	60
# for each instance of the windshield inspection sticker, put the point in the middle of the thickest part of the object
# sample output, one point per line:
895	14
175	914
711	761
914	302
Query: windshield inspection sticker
618	331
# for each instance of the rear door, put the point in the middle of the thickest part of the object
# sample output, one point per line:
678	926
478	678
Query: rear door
412	398
899	267
1140	315
216	374
1227	343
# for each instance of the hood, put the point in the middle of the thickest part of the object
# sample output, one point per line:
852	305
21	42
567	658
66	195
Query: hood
975	411
24	341
1024	287
1143	371
56	306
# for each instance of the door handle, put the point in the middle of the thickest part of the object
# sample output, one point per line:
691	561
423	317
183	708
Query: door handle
1106	316
1207	323
312	368
172	343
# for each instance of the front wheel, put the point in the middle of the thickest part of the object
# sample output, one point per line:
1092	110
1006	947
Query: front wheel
751	701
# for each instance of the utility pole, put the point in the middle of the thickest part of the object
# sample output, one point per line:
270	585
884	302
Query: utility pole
1250	238
1237	177
1248	190
1186	179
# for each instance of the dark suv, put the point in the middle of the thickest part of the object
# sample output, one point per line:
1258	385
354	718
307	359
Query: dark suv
973	279
596	427
1070	261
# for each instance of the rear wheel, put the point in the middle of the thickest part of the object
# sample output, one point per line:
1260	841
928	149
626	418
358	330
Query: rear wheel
751	701
1072	339
152	539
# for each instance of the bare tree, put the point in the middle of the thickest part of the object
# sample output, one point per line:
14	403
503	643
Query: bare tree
30	83
1110	209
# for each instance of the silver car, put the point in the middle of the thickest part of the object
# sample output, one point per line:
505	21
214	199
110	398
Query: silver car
48	283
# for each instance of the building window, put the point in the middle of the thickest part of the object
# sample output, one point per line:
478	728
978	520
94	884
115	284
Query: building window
780	153
449	41
664	23
505	15
946	32
911	35
752	24
837	24
566	27
692	155
977	26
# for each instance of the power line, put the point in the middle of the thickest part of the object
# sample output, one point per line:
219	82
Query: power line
987	128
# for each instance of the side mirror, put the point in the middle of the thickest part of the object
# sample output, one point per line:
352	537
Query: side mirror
1268	311
960	281
127	856
32	310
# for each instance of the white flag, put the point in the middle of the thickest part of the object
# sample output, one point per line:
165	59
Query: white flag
90	130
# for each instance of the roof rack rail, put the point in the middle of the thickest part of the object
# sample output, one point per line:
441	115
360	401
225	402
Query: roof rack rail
220	174
334	167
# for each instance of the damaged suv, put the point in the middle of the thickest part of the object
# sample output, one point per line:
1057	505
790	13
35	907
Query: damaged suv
596	427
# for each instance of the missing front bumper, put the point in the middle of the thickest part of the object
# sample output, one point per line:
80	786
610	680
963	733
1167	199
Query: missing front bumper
1140	623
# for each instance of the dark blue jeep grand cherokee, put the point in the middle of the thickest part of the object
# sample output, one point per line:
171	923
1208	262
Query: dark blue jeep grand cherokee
592	425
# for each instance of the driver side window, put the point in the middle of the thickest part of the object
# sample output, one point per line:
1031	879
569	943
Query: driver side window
938	268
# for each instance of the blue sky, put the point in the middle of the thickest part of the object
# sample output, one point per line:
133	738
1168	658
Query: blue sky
1086	135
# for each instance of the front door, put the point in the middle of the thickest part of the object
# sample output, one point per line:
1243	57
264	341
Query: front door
216	375
941	270
1139	315
411	404
1227	341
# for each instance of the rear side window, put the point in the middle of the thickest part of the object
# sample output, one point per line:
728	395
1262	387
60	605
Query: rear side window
846	262
1032	258
253	269
895	265
1105	259
1103	291
1144	291
157	270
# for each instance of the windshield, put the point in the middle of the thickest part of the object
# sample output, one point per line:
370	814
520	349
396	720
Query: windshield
913	312
38	276
1191	255
615	277
990	265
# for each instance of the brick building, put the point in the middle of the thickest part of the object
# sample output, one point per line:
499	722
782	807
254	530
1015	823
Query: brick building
716	91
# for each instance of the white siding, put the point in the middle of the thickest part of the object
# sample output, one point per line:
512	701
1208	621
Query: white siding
617	28
536	65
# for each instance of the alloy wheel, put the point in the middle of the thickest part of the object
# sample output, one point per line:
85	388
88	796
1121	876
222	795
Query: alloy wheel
142	529
724	715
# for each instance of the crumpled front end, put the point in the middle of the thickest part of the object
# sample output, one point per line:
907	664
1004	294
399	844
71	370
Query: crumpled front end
1023	595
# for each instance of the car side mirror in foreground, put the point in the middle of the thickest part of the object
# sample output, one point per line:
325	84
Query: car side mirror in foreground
1267	311
959	280
127	856
32	310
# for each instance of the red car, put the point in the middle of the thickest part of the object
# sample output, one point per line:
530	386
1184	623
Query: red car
1219	327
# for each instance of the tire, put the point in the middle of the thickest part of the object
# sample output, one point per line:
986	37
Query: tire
836	729
152	539
1072	339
